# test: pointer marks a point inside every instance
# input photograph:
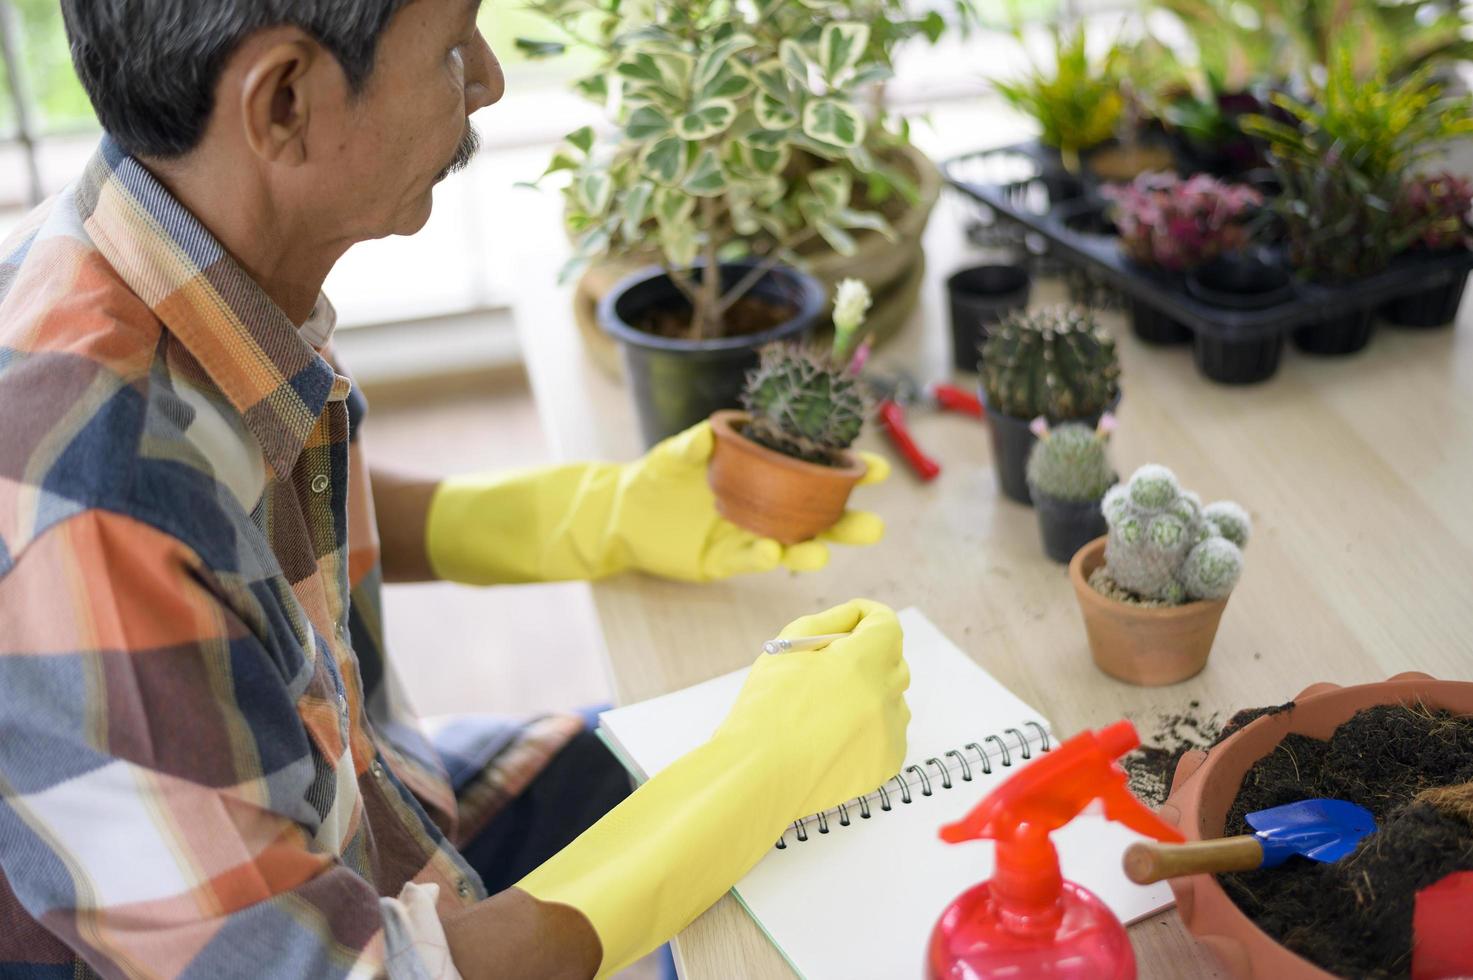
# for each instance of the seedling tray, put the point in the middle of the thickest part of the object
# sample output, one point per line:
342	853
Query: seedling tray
1025	199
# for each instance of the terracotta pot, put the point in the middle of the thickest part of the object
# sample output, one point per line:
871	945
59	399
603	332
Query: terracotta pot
771	494
1137	644
1206	784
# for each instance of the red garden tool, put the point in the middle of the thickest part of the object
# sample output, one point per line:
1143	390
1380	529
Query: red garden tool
894	393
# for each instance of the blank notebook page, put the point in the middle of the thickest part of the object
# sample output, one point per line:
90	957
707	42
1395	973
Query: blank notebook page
860	900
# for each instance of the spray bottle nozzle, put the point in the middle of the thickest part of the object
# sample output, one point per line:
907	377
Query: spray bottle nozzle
1021	813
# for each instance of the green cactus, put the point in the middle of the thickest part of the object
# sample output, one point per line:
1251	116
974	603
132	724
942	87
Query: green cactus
803	405
1165	545
1069	463
1056	363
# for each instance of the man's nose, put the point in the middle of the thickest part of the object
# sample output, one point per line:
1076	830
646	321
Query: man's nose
485	81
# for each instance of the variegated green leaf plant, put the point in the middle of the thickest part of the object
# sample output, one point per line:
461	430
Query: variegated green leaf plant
740	130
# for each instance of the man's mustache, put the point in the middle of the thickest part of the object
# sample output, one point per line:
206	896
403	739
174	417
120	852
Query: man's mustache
470	145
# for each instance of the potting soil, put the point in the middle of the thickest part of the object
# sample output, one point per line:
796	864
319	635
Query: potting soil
1354	917
748	315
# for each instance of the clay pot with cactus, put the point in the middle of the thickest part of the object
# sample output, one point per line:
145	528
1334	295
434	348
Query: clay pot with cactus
1068	474
1058	364
1153	590
782	467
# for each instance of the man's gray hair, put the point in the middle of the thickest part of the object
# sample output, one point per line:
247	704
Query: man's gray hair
151	66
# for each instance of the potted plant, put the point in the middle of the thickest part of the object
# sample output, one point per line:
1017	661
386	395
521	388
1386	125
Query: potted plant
1440	205
1154	588
782	468
1068	474
1077	104
1056	363
1341	165
1239	282
1205	803
775	58
1174	226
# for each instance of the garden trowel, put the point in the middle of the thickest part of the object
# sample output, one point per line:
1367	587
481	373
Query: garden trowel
1321	830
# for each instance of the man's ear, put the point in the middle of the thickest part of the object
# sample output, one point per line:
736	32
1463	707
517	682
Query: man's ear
275	109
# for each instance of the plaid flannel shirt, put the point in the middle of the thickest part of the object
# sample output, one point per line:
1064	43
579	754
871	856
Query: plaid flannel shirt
205	763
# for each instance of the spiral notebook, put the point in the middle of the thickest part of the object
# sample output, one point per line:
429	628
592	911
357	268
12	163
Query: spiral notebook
854	892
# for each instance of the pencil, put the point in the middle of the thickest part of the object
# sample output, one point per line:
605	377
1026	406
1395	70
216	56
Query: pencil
798	643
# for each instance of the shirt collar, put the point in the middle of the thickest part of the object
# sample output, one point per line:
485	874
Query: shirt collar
246	344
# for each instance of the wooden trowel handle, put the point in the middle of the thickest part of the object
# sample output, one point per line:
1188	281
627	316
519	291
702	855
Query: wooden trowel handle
1146	862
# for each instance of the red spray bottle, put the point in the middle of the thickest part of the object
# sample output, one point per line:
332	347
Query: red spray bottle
1027	921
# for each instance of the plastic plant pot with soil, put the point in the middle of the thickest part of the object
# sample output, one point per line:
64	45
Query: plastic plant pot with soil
783	468
1068	475
1082	386
676	381
980	297
1241	282
1169	226
1441	204
1342	333
1393	747
1434	307
1153	590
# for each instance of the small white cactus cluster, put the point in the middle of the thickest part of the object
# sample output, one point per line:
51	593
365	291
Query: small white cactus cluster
1165	545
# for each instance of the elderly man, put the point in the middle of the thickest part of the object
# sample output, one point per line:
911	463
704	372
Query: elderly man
205	765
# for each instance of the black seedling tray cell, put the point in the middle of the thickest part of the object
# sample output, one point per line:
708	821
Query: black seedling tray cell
1023	197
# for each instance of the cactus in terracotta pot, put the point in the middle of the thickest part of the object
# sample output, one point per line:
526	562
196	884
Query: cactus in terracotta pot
1164	545
783	468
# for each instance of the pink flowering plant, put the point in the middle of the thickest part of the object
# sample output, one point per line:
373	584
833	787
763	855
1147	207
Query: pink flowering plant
1438	205
1177	224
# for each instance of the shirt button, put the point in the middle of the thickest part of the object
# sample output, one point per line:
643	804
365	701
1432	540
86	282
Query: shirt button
320	483
463	888
343	701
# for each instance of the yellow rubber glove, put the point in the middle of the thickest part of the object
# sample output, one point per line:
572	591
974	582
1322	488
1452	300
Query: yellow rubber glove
586	521
809	731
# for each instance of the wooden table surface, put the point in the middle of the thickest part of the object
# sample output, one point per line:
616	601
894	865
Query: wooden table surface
1358	472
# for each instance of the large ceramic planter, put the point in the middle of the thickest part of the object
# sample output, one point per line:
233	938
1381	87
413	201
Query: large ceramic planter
775	495
894	271
1012	441
676	383
1137	644
1206	784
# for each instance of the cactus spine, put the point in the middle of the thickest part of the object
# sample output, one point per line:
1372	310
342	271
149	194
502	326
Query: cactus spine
1165	545
1056	363
1069	463
803	405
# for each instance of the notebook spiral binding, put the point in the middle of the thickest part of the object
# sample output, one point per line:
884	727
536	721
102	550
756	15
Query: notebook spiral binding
1003	754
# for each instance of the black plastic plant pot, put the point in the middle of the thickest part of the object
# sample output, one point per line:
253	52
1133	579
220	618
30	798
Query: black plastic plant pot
1012	441
1241	283
1089	218
1436	307
1155	327
676	383
980	297
1237	362
1065	526
1337	335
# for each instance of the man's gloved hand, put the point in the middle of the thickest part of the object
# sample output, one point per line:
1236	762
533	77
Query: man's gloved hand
586	521
808	731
